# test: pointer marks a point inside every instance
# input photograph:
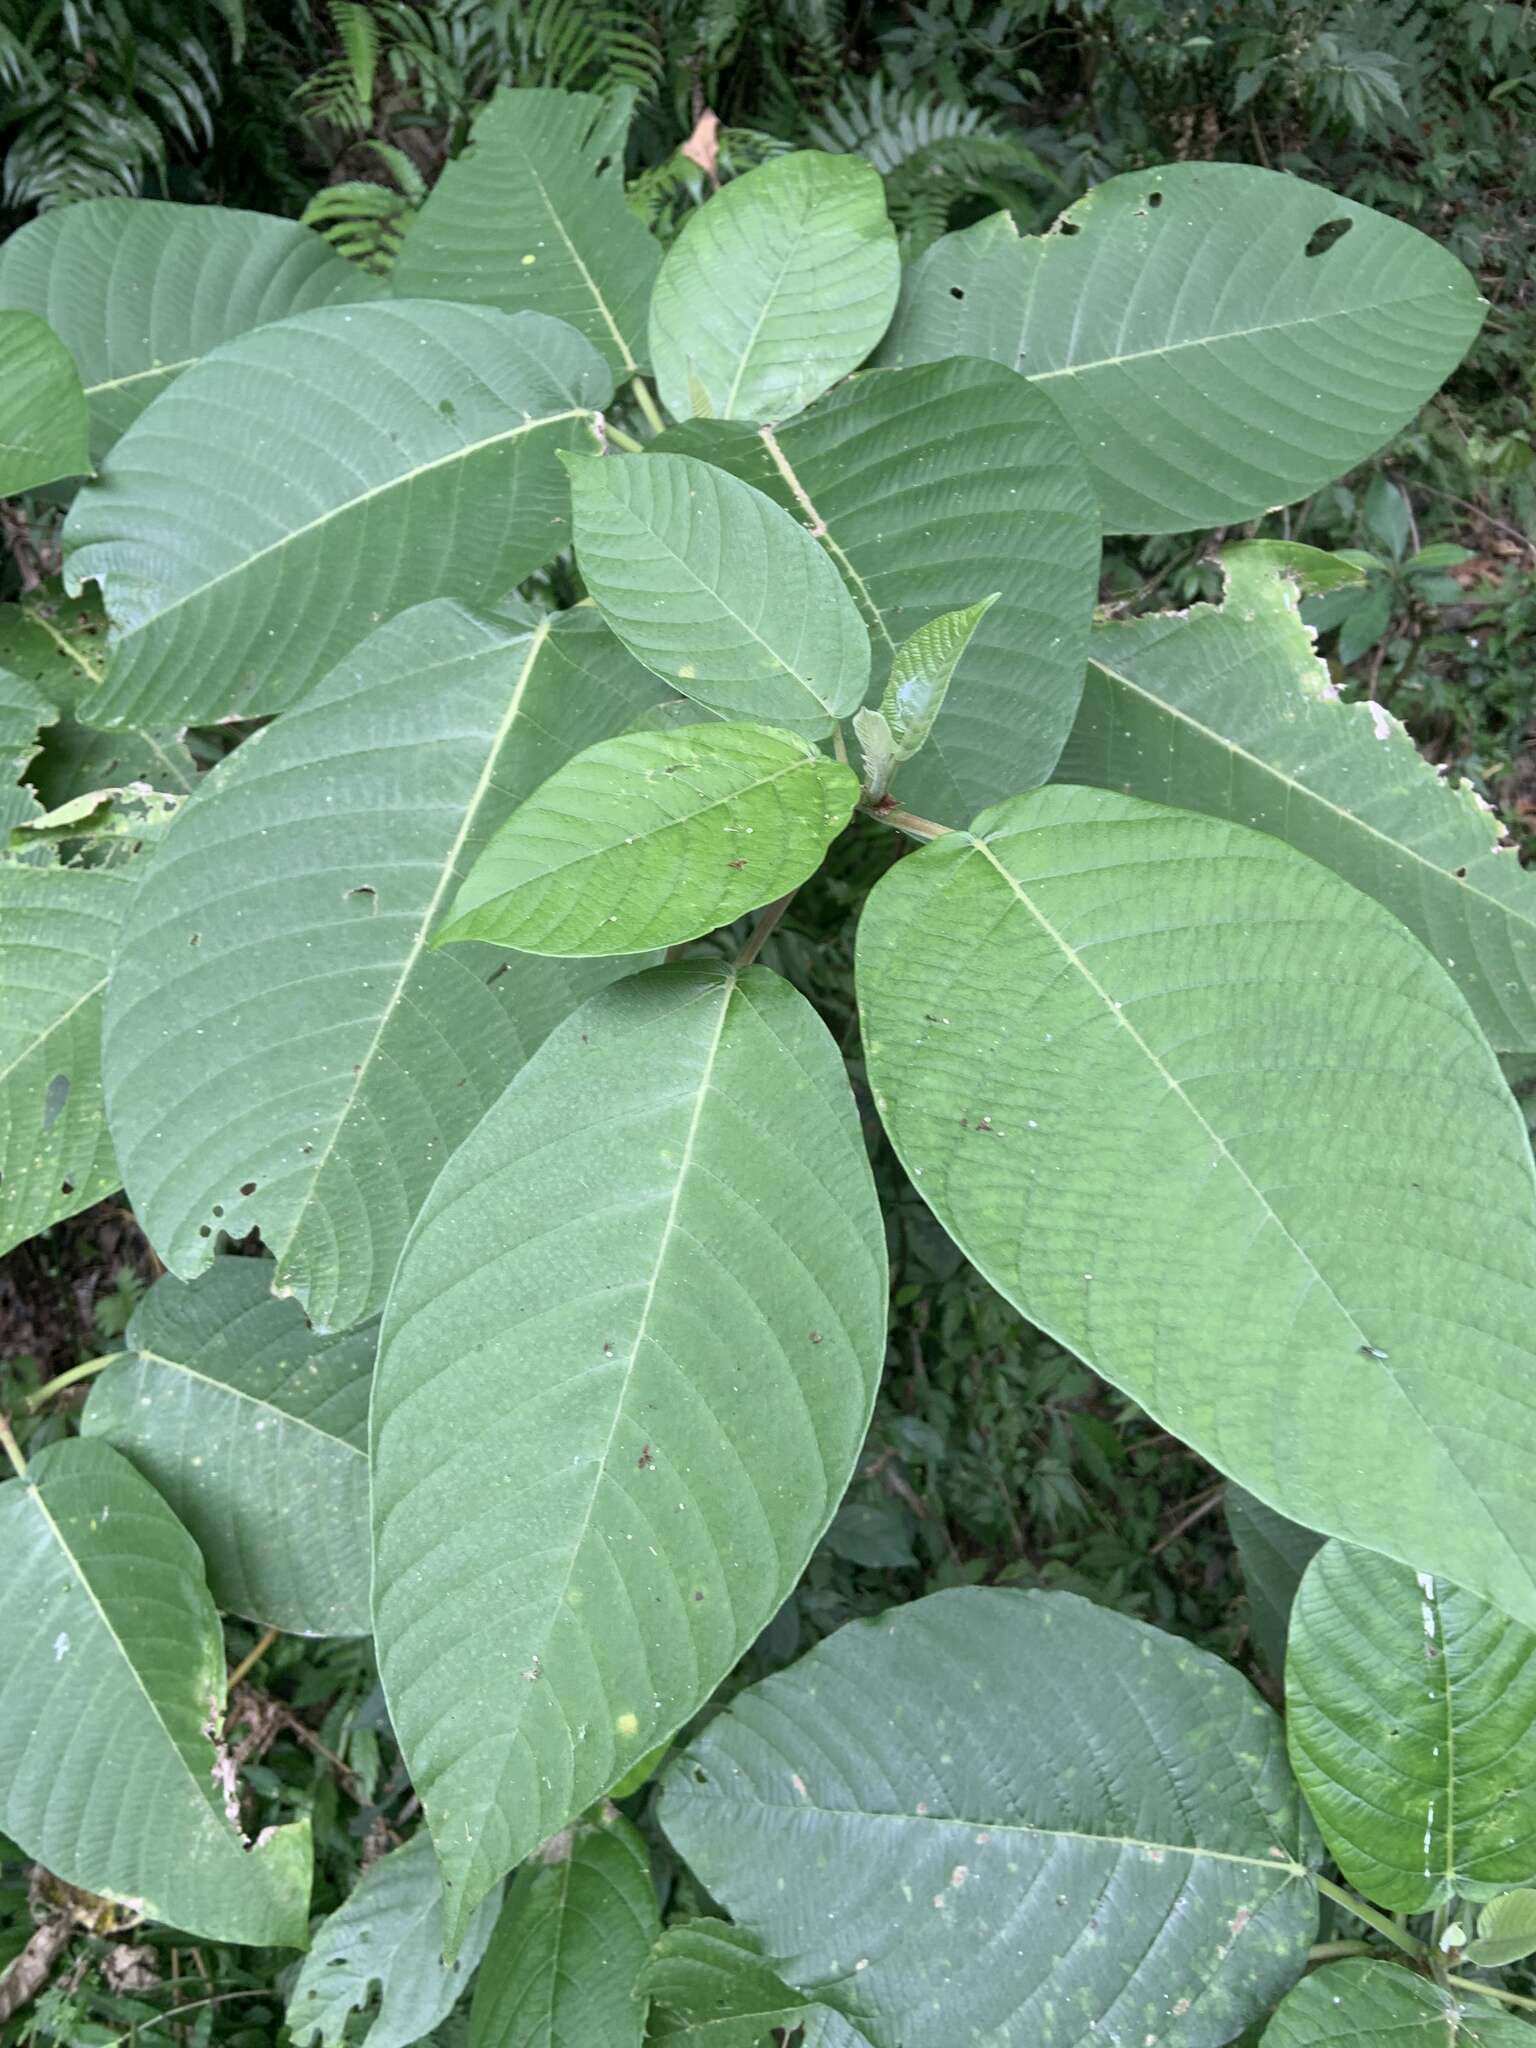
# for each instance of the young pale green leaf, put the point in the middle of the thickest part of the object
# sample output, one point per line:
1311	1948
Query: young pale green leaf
877	750
533	214
713	586
1273	1553
1506	1931
1378	2005
925	486
389	1933
275	1004
139	289
1214	352
710	1988
933	1862
921	672
304	482
625	1370
563	1964
43	427
1229	711
254	1429
113	1675
1406	1698
653	838
778	287
1218	1123
57	930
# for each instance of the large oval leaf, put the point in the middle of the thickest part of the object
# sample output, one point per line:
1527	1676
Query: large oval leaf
1215	352
782	284
714	587
1406	1700
304	482
42	408
534	214
710	1988
935	1862
113	1672
275	1004
1218	1123
1378	2005
625	1370
389	1932
574	1934
254	1429
654	838
139	289
1229	711
57	930
931	488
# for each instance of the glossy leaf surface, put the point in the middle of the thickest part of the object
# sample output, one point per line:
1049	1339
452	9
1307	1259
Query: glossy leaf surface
1377	2005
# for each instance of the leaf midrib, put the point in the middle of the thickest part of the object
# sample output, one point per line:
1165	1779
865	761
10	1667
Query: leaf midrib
240	1394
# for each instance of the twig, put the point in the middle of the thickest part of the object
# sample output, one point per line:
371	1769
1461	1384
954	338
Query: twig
906	821
1212	1498
763	930
251	1658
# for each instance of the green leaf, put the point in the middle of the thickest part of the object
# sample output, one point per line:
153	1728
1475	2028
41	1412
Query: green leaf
22	714
1301	1197
113	1673
533	214
654	838
709	1987
1378	2005
710	584
139	289
304	482
626	1369
254	1430
1506	1931
389	1933
275	1002
1210	366
921	672
1230	712
42	411
573	1936
775	289
1405	1700
925	486
57	930
935	1863
1273	1553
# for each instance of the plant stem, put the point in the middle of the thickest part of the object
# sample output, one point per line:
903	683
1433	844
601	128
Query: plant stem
906	821
1369	1914
762	931
622	440
251	1658
1326	1951
839	745
12	1449
647	404
51	1387
1492	1991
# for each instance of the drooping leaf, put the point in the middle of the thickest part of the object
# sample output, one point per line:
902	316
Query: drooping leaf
1213	359
1506	1931
1273	1553
112	1676
1229	711
389	1933
275	1003
307	480
933	1861
254	1429
1406	1698
626	1369
925	486
710	1988
1377	2005
777	287
139	289
42	408
57	930
710	584
563	1964
533	214
1301	1208
652	838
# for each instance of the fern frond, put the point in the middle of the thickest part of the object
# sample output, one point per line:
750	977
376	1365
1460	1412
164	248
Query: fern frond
365	221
